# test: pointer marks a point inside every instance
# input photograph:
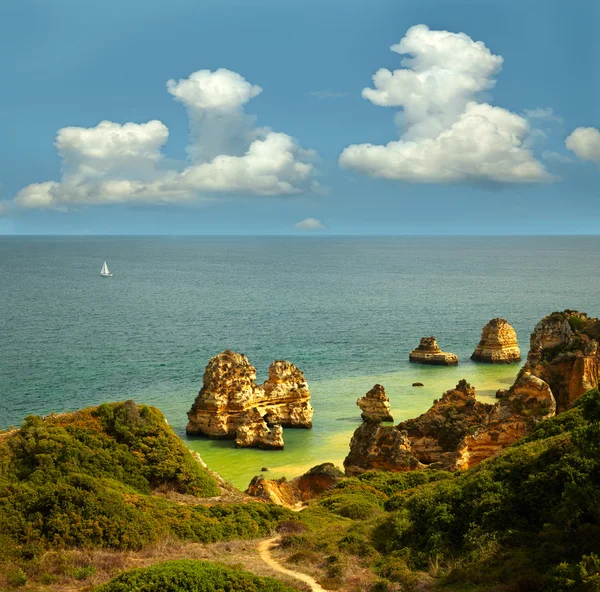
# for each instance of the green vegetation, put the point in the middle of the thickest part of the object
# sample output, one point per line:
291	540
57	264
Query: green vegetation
527	519
88	479
191	576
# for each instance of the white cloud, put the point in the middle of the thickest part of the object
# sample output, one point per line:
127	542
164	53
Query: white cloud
552	156
113	163
309	224
447	133
544	114
584	142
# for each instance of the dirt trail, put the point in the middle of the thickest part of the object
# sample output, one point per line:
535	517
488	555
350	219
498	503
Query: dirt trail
264	550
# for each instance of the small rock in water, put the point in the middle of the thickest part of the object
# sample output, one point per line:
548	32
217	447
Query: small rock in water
418	384
264	469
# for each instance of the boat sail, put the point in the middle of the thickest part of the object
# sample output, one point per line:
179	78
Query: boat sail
105	272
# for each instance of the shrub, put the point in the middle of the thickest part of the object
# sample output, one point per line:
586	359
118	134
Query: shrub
191	576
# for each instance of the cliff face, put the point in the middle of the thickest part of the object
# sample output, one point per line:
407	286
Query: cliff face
229	392
498	344
457	432
295	493
375	405
565	353
429	352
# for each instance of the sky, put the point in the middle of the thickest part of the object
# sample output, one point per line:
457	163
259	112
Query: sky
269	117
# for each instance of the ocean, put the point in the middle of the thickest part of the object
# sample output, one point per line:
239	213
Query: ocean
346	311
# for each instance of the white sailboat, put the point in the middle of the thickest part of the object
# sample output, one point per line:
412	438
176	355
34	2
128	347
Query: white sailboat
105	272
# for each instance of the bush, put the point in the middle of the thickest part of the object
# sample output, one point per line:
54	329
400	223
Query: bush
191	576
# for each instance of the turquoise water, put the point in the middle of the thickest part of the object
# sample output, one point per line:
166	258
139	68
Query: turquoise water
346	310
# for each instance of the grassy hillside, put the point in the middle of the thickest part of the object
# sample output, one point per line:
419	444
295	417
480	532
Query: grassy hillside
86	480
528	519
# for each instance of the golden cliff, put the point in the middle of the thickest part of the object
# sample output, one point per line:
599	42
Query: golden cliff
565	353
231	405
498	344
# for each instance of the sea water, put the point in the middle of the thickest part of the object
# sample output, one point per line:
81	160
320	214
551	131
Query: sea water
347	311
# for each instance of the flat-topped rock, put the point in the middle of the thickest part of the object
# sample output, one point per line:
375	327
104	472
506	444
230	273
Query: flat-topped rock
229	392
375	405
498	344
429	352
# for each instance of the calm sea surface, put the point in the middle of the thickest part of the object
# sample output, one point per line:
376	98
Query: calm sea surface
347	311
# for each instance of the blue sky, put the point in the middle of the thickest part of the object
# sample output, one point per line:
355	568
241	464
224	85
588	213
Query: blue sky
72	64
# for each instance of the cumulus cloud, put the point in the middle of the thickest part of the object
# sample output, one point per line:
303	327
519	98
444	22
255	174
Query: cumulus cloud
309	224
447	133
113	163
584	142
552	156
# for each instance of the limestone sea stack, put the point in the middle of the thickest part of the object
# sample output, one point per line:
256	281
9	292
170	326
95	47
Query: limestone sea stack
253	431
429	352
498	344
375	405
229	392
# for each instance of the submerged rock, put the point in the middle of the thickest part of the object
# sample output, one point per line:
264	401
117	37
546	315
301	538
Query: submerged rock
498	344
295	493
429	352
418	384
375	405
229	392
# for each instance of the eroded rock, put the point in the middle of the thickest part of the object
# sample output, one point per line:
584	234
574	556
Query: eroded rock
498	344
295	493
457	432
565	353
375	405
428	352
253	431
229	392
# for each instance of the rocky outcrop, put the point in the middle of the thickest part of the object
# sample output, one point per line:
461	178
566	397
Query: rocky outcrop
229	392
375	405
429	352
253	431
457	432
565	353
498	344
295	493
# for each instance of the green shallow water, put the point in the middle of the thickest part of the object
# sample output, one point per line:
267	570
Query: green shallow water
347	311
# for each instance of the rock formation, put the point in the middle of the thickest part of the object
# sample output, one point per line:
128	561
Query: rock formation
565	353
429	352
253	431
295	493
457	432
498	344
375	405
229	392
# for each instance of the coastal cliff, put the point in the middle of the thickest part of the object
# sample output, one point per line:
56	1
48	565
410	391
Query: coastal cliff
565	353
498	344
231	405
456	433
375	405
429	352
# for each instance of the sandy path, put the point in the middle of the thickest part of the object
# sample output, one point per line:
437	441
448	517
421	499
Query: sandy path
264	550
